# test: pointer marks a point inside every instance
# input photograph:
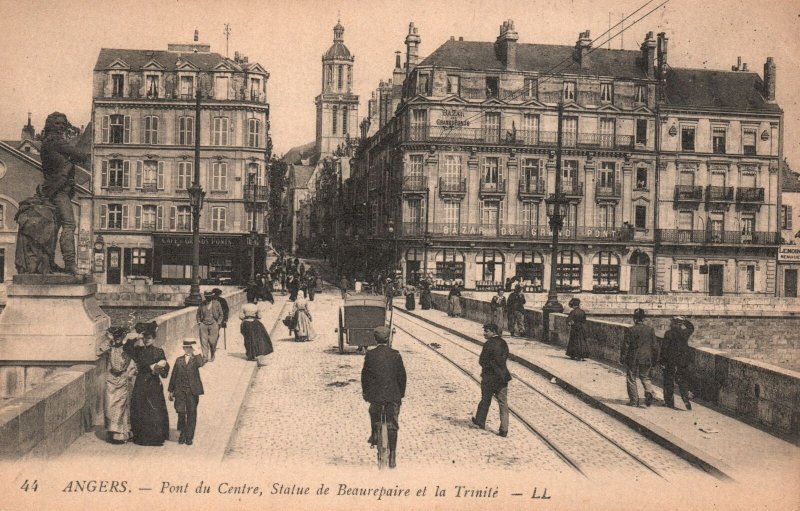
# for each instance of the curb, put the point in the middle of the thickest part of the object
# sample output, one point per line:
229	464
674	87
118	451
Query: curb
693	455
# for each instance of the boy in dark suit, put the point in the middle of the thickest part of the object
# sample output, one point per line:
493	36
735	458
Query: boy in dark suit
494	378
383	384
185	388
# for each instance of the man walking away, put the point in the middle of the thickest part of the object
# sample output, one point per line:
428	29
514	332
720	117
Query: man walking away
494	378
185	389
383	385
209	317
639	352
343	285
675	360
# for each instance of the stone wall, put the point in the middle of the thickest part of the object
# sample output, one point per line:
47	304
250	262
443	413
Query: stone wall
141	294
47	418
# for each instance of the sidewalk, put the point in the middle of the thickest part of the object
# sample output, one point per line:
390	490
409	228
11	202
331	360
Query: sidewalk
720	444
225	382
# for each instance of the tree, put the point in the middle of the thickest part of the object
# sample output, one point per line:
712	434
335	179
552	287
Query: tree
278	181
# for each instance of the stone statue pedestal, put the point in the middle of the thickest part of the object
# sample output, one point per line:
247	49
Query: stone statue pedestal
49	321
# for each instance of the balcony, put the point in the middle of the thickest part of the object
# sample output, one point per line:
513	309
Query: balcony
709	237
719	193
489	189
414	184
149	186
608	191
452	188
255	193
749	194
527	232
532	188
605	141
572	188
516	137
413	229
688	193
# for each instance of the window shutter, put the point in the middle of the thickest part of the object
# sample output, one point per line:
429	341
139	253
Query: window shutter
160	178
245	134
139	170
125	212
126	138
155	131
126	174
137	223
105	129
788	217
144	128
159	218
104	174
173	213
103	216
126	258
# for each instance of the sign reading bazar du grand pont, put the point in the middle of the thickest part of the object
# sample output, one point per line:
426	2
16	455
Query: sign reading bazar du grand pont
789	254
452	117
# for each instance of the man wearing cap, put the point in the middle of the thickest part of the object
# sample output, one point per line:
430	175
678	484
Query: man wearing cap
383	385
185	389
209	317
639	353
494	378
675	360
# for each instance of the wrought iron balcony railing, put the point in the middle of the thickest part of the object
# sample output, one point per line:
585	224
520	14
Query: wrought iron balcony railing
255	193
518	137
515	231
572	188
608	191
415	184
452	187
679	236
532	188
749	194
492	187
719	193
688	193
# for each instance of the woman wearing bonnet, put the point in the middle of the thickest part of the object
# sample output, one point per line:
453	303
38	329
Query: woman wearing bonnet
116	399
149	419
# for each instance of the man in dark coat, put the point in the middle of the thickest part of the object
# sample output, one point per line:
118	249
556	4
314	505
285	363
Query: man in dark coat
383	385
222	303
639	353
185	388
675	360
494	378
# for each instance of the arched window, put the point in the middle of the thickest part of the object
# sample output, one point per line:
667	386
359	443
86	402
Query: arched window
530	270
344	120
334	120
568	271
449	267
639	258
340	77
605	270
490	268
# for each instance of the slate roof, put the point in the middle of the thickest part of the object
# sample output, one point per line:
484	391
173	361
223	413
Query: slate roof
137	59
337	51
297	153
543	58
300	175
704	88
790	179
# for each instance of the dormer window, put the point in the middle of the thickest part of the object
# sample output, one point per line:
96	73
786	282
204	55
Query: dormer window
492	87
453	84
151	85
640	94
255	89
187	87
607	92
221	87
531	88
117	85
423	84
569	91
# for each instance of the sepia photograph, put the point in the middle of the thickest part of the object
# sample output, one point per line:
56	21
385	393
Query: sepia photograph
508	254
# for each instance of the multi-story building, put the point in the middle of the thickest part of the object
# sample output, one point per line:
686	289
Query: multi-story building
455	180
144	134
789	220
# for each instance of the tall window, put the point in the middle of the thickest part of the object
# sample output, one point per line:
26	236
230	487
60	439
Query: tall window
641	178
221	87
718	136
530	128
219	176
2	217
454	84
607	92
452	170
184	218
605	216
641	131
491	127
570	135
608	170
607	128
186	130
344	120
187	87
569	91
139	263
151	84
532	175
220	131
114	216
184	175
568	271
148	221
452	215
491	171
339	77
640	94
117	129
415	211
606	271
530	215
491	217
151	129
419	124
492	87
117	85
569	176
716	227
749	141
116	173
750	277
687	138
684	277
218	214
531	86
685	226
253	133
255	89
786	217
334	120
748	226
640	220
416	168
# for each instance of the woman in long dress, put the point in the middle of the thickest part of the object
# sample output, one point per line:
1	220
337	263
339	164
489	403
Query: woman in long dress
410	302
303	331
498	308
256	339
454	302
576	348
149	419
425	295
116	402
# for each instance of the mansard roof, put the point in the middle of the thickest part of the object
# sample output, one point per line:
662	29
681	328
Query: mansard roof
137	60
726	90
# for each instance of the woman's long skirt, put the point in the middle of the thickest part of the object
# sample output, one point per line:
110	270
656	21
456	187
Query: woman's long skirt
455	306
425	300
410	303
256	339
149	419
304	330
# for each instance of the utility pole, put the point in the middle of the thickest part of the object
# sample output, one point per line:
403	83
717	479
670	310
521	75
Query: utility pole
227	33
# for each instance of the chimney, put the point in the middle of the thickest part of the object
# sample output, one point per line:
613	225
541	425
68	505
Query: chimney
662	55
412	47
196	35
769	80
582	47
28	133
649	55
505	47
236	57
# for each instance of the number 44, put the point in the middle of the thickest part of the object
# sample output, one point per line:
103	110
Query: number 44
30	485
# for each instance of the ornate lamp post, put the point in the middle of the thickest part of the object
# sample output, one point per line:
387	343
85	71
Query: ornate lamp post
393	232
252	178
556	210
196	196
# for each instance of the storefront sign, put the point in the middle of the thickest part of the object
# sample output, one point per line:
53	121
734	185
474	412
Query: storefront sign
215	241
99	262
453	118
789	254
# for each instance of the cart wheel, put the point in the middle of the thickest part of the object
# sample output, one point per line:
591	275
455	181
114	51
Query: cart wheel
341	333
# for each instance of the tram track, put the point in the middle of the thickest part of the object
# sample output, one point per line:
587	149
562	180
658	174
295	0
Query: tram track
559	446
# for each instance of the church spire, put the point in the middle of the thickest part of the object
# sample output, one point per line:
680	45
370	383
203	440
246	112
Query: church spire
338	32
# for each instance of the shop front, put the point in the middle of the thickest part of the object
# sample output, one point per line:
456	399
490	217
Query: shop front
224	259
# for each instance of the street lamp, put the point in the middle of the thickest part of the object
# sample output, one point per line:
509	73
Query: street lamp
252	178
557	205
196	196
393	232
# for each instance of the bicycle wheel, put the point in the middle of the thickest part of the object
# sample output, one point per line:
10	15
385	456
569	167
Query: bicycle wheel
383	446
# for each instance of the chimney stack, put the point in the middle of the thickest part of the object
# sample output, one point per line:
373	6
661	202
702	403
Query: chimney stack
769	80
662	55
505	47
649	55
28	133
196	35
582	47
412	48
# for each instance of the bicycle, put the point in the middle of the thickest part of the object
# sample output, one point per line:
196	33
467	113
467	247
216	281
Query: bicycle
383	441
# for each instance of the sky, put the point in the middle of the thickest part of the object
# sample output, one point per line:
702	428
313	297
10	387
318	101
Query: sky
48	49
